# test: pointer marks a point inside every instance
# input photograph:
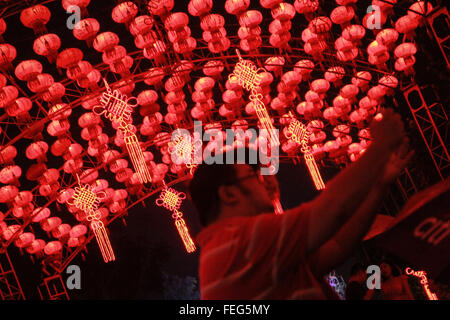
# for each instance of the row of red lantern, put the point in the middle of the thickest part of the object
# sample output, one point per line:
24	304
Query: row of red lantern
151	125
280	27
146	38
202	96
113	54
249	20
179	33
212	25
14	106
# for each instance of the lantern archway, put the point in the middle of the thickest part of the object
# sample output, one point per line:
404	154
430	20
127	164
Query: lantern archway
325	66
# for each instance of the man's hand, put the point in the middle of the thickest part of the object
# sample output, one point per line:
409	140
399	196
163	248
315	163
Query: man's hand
389	131
397	162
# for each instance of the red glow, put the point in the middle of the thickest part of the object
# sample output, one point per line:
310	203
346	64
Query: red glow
424	282
184	149
171	200
277	206
248	76
184	234
137	156
86	199
300	134
103	240
117	107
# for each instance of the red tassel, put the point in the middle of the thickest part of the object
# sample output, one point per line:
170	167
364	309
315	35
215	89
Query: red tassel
314	171
184	234
137	156
277	206
103	240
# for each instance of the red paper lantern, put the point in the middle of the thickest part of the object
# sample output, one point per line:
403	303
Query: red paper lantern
47	45
35	17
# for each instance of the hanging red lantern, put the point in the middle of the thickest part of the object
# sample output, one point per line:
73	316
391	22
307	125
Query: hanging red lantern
236	7
37	150
105	41
54	94
47	45
53	248
362	79
2	28
62	231
24	240
198	8
419	10
406	25
36	246
69	57
40	214
7	95
28	70
7	54
35	17
40	83
8	193
354	32
7	155
10	175
342	15
306	7
160	7
86	30
124	12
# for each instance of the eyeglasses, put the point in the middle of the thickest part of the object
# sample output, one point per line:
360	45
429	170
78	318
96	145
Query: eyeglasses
256	173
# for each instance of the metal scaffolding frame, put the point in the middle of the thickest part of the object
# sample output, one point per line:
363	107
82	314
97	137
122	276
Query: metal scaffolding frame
53	288
10	288
437	21
432	123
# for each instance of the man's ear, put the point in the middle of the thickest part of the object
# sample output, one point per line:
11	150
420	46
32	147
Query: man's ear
228	194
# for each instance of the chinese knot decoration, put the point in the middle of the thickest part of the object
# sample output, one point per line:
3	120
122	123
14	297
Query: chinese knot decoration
171	200
183	148
117	108
299	133
249	77
86	199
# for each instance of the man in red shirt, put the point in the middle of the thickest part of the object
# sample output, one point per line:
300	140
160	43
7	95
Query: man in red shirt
248	252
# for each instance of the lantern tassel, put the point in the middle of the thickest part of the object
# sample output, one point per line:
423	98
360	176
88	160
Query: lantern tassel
103	240
277	205
314	171
184	234
137	156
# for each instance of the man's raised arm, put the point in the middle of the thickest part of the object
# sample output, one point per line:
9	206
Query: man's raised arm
345	193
